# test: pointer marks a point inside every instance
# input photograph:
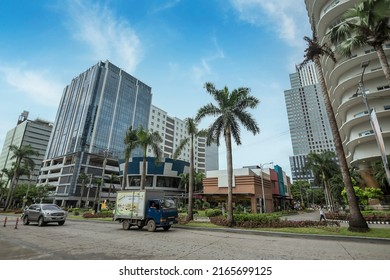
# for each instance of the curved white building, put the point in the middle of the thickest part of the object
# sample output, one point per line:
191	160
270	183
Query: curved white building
342	79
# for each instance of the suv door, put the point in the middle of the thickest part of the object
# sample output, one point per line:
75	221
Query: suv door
33	212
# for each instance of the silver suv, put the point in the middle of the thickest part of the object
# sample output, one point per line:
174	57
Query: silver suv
43	214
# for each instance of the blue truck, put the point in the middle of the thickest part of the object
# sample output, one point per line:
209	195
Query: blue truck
145	208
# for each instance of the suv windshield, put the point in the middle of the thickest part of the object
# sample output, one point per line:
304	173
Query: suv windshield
167	203
50	207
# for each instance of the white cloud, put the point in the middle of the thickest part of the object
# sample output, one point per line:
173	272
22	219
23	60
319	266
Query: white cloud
203	69
36	84
286	17
165	6
108	37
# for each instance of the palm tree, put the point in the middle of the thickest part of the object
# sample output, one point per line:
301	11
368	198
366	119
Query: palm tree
193	133
83	179
313	53
324	168
145	139
21	155
367	23
229	112
113	178
199	176
380	175
130	141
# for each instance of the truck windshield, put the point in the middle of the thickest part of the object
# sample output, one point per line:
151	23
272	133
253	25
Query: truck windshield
167	203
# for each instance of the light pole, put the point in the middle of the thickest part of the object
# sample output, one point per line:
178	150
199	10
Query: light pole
102	182
262	199
89	188
374	122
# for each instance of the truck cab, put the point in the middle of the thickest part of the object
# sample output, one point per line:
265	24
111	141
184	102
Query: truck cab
161	213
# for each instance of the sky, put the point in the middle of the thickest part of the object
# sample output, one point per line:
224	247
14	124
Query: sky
174	46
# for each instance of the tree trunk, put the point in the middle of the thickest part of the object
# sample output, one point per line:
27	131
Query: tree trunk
143	176
10	194
79	203
124	181
190	215
356	221
229	162
383	60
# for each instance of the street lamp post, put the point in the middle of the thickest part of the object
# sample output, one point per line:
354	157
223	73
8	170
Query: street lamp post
374	122
262	199
89	188
102	182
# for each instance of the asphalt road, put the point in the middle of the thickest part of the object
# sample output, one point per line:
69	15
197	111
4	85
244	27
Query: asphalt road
93	240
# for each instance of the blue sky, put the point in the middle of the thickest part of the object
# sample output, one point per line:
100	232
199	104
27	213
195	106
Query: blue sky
174	46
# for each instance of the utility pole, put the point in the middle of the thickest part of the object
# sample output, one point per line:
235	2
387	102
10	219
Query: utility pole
105	153
262	199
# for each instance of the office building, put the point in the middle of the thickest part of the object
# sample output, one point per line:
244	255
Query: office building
308	121
35	133
342	79
94	113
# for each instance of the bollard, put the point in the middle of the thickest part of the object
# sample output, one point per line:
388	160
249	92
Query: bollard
5	222
16	224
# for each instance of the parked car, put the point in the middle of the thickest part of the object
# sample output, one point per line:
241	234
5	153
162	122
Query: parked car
43	214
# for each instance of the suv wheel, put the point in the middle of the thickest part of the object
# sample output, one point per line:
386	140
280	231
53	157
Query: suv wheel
61	223
41	222
25	220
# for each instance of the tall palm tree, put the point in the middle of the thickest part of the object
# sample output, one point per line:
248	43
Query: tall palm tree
21	155
324	168
367	23
112	179
313	53
193	132
83	179
130	141
230	112
146	139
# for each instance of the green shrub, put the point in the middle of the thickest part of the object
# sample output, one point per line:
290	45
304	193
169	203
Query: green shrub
268	221
213	212
102	214
206	205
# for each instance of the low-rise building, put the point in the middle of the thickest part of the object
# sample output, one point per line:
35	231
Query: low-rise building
248	185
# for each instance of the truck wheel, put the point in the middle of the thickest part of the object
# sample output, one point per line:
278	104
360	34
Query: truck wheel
126	224
151	225
166	227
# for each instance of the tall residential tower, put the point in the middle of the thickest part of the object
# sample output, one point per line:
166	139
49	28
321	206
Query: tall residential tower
342	79
173	130
309	125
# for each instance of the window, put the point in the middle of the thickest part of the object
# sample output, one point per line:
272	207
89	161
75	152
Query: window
366	133
360	114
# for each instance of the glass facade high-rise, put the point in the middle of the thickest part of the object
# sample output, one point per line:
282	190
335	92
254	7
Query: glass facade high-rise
95	111
96	108
309	125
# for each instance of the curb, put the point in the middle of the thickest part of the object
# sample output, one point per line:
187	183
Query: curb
293	235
